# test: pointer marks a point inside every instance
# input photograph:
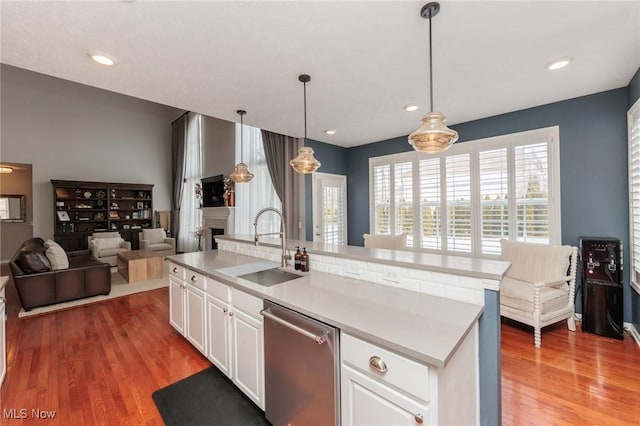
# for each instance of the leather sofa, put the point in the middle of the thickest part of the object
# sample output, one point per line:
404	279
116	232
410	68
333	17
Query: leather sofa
38	284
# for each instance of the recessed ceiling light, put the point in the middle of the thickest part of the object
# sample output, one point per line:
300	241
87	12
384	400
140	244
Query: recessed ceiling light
102	58
411	108
330	131
556	64
6	169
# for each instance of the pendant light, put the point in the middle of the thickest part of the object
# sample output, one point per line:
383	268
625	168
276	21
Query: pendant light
241	173
305	163
433	136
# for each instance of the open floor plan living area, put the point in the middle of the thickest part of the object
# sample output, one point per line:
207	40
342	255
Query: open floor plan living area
320	213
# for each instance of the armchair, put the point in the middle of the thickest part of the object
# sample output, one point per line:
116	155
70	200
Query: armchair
105	246
156	240
540	286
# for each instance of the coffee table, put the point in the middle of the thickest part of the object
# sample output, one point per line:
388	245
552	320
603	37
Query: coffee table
140	265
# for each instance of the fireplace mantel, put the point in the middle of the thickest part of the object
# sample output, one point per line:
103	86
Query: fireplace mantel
219	218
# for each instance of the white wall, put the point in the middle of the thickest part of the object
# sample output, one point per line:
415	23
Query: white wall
71	131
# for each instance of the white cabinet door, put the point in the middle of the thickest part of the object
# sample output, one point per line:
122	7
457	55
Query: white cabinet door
368	402
196	326
176	304
248	342
3	336
219	342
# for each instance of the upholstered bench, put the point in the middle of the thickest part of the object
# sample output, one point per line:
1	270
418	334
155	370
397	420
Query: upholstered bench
539	287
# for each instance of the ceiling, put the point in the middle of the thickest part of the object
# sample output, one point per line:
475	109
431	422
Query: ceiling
367	59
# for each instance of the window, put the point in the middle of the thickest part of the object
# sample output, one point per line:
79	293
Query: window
633	121
253	196
468	198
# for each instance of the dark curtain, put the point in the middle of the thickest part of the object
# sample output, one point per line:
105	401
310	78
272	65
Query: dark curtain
279	150
178	144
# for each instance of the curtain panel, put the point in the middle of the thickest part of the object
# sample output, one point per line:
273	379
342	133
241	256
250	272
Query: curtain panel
279	150
178	143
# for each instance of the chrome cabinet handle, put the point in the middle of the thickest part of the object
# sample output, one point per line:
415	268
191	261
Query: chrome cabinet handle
230	313
175	270
419	418
225	310
193	278
378	364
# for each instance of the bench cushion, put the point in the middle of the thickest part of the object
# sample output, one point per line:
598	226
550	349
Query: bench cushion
519	295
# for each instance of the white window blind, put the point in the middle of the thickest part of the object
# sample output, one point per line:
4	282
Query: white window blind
403	200
474	194
494	219
458	175
430	217
382	199
633	122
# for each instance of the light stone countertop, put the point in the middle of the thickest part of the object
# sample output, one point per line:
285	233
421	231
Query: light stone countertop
423	327
3	281
458	265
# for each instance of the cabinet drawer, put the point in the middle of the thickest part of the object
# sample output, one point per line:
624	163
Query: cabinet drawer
403	373
195	279
247	303
176	270
219	290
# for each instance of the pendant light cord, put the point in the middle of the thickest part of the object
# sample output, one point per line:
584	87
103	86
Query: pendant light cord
241	137
430	66
305	113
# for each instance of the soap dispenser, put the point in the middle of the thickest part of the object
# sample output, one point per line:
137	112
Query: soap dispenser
297	259
304	261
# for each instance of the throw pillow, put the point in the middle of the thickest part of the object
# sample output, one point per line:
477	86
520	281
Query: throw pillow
107	243
32	262
56	255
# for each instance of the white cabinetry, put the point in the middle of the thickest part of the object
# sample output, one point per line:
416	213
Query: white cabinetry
187	305
3	332
381	387
235	341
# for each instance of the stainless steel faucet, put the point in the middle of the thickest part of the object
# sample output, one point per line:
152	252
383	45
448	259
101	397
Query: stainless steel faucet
282	233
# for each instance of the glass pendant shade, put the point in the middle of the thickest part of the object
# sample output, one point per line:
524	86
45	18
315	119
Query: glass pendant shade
433	136
305	162
241	174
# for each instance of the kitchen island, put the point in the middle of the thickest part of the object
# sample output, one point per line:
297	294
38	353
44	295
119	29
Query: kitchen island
393	311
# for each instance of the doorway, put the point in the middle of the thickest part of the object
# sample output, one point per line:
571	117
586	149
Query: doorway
329	194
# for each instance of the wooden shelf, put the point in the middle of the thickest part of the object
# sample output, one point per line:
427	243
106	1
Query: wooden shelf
118	197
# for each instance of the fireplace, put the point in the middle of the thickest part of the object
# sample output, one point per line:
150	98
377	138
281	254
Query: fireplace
217	221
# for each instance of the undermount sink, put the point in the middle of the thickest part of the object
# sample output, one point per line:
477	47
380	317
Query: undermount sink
269	277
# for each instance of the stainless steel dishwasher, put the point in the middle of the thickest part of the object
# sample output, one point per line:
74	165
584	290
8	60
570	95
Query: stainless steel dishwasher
302	376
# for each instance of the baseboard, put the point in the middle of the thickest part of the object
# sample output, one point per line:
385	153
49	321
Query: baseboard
633	332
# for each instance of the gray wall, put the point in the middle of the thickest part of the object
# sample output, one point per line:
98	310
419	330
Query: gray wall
12	234
593	172
75	132
218	151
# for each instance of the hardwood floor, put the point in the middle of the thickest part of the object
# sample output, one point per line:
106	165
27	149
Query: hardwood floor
99	364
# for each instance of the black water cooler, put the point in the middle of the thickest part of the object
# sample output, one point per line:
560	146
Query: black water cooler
602	309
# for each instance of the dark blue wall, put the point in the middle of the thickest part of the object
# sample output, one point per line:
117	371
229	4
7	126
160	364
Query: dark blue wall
593	166
333	159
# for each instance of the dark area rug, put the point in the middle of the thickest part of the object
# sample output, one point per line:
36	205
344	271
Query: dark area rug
206	398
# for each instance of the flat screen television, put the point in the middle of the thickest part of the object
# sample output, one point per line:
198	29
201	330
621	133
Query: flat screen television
213	191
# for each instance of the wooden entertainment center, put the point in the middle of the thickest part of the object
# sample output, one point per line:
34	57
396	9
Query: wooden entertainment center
82	208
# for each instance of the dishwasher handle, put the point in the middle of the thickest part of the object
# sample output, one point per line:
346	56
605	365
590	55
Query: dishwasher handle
319	339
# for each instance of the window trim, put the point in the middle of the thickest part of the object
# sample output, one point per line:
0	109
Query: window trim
550	135
635	275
